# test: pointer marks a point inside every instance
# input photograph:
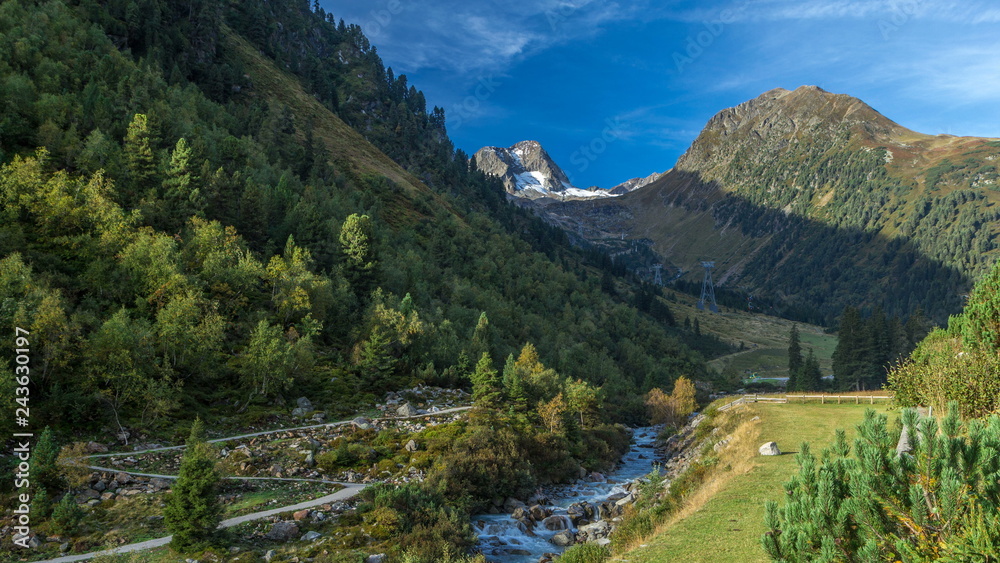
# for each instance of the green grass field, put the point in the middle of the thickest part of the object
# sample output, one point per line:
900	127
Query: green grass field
727	527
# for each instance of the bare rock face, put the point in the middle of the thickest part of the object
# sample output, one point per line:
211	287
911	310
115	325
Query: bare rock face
769	448
528	172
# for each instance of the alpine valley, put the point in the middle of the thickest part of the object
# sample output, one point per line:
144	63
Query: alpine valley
257	306
816	201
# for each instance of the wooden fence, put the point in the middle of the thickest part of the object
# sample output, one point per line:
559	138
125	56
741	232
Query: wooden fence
823	399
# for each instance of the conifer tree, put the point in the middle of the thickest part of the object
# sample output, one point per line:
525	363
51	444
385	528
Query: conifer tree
193	512
794	360
486	390
357	242
810	378
933	499
138	151
482	337
44	467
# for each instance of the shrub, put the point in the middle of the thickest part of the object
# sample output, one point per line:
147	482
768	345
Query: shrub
585	553
66	516
936	502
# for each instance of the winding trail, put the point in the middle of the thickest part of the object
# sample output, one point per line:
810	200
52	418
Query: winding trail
349	490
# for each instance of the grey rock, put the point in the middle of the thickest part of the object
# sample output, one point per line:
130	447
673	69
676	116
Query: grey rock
310	536
556	522
271	554
159	484
96	448
100	486
362	423
564	538
769	448
304	403
310	460
380	558
407	410
411	446
512	504
299	412
903	446
283	531
64	547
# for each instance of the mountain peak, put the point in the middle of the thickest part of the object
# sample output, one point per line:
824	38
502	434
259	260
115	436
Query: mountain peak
779	117
528	171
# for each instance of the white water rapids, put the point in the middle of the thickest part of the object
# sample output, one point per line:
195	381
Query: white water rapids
502	540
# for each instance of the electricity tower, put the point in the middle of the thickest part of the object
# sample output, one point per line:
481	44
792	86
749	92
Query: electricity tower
658	275
708	289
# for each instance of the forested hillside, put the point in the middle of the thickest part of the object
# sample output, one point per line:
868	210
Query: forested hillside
199	217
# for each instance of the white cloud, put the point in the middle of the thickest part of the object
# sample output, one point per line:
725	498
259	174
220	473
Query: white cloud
476	38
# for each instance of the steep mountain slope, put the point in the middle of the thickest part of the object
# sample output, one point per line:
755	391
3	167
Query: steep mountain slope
292	200
819	200
527	171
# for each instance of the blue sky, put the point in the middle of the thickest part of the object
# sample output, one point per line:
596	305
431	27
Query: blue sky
615	90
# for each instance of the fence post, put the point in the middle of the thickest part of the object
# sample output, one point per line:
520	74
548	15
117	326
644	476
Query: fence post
822	399
838	399
872	399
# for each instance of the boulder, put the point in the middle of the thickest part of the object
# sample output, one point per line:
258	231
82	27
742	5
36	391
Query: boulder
159	484
520	513
380	558
769	448
361	423
301	515
96	448
903	446
271	554
556	522
304	403
299	412
100	486
310	536
310	460
283	531
411	446
511	504
407	410
538	513
564	538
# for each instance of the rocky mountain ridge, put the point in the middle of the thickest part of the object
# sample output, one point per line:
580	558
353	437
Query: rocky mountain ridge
527	171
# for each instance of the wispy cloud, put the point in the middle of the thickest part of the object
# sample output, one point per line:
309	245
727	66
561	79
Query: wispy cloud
470	38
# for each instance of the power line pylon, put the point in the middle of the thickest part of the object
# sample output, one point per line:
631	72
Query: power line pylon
658	274
708	289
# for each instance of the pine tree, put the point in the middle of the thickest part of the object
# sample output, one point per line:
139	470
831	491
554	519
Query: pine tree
139	160
486	390
357	242
794	360
482	338
193	512
810	378
66	516
44	466
181	186
935	500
